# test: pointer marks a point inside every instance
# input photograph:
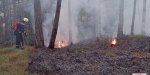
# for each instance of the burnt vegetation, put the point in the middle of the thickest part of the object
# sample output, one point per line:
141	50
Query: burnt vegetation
95	57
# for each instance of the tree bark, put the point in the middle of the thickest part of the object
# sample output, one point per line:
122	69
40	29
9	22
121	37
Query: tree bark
19	10
133	18
121	18
144	16
5	6
14	10
38	24
22	12
1	28
10	18
55	27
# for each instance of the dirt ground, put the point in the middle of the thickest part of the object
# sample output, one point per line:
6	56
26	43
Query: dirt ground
95	57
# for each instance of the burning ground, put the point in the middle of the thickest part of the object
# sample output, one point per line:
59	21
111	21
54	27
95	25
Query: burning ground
95	57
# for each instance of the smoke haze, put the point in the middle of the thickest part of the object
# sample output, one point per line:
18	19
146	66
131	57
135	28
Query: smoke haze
100	18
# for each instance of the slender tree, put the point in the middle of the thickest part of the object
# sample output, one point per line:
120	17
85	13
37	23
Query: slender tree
2	32
1	28
120	24
10	17
38	24
70	23
55	27
5	7
133	18
22	6
14	10
19	9
144	16
14	14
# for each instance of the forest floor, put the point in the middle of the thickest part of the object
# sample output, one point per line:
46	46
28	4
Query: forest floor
15	61
95	57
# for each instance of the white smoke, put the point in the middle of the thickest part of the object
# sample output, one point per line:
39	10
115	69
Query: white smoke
103	19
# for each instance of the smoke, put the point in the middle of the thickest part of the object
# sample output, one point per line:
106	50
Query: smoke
89	19
30	9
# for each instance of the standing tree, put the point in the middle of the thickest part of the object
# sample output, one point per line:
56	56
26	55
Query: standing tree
10	17
70	23
10	22
120	24
14	14
14	10
21	8
55	27
39	39
1	28
5	9
133	18
144	16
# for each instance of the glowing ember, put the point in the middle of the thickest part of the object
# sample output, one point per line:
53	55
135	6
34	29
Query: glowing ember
114	42
60	44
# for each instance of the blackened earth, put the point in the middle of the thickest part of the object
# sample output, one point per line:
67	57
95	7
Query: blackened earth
95	57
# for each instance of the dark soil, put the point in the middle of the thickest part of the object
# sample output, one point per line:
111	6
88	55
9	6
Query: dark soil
95	57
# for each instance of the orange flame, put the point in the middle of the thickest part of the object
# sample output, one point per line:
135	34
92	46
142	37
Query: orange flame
60	44
114	42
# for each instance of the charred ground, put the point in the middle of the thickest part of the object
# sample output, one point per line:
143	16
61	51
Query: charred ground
95	57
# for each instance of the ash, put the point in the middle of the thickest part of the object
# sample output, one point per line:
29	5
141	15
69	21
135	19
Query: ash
95	57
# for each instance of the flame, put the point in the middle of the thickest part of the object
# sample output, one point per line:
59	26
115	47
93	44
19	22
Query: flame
114	42
60	44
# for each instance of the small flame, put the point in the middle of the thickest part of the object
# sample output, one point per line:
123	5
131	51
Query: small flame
60	44
114	42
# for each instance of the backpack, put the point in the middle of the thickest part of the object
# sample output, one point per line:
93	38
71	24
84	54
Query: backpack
15	24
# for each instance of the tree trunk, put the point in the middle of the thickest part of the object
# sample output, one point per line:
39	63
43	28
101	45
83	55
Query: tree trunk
38	24
14	10
2	32
14	15
22	12
10	22
5	2
121	18
144	16
10	19
55	27
70	22
133	18
19	10
1	28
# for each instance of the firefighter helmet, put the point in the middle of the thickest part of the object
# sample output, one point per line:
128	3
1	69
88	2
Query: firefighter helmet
25	19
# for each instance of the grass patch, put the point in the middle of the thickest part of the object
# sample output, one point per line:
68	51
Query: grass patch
87	48
14	61
111	54
134	36
141	54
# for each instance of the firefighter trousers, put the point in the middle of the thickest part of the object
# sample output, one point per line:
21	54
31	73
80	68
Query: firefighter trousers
19	40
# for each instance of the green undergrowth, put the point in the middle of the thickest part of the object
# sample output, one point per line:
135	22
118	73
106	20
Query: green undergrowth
15	61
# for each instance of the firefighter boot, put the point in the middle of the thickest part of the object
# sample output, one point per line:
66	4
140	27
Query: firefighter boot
21	45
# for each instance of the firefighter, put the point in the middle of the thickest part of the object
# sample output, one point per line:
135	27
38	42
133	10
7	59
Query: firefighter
20	33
